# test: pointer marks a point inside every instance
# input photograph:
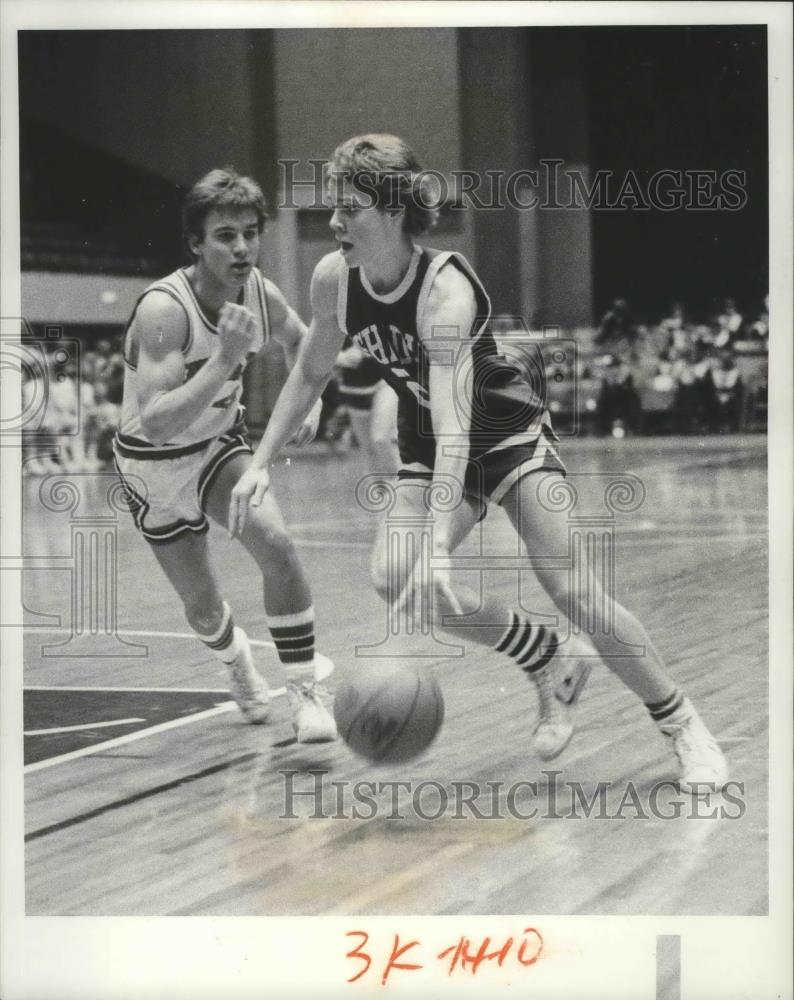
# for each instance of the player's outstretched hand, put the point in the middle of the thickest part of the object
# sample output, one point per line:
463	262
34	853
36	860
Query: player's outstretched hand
308	429
249	489
236	331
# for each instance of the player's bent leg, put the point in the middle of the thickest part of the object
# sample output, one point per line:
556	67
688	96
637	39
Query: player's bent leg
579	595
403	532
265	538
577	592
287	599
185	561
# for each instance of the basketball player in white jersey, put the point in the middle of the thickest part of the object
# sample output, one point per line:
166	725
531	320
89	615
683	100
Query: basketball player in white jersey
470	424
182	443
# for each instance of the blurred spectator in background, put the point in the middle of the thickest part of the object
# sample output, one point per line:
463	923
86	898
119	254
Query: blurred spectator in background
54	395
105	421
695	398
109	370
759	329
728	394
39	421
728	325
618	408
87	397
64	405
616	328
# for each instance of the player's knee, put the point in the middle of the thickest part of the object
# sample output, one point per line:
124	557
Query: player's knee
386	581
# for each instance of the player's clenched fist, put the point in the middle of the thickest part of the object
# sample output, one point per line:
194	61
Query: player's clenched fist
236	331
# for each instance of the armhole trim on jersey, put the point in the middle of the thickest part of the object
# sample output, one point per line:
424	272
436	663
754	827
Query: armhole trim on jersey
459	261
433	268
261	288
341	298
192	296
171	292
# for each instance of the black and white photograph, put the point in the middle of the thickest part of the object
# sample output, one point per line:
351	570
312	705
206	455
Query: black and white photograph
397	500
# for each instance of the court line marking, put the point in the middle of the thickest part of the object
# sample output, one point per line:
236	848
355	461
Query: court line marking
637	536
138	633
274	692
308	543
119	741
139	734
104	687
137	797
85	725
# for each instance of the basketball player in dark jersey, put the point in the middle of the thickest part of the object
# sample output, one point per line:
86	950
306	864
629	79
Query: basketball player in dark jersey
470	427
182	443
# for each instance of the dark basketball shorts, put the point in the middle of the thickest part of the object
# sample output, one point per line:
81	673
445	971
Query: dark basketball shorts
494	466
165	491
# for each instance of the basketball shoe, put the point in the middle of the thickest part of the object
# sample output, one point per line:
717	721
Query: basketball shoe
559	688
246	684
311	720
703	765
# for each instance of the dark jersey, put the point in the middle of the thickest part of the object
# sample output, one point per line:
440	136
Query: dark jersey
504	401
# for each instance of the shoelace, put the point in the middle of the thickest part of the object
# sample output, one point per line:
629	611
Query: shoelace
311	690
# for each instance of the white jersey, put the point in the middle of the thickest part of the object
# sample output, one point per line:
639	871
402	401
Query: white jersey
200	344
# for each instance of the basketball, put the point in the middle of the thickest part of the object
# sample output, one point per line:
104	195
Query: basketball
389	712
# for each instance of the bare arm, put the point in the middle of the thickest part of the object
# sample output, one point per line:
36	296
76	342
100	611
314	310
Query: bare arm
313	365
309	376
168	405
446	334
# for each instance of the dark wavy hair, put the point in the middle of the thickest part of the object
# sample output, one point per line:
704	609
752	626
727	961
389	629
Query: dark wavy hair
222	188
386	168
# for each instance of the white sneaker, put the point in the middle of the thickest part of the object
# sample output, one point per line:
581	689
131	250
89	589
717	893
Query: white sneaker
311	720
555	719
246	684
704	768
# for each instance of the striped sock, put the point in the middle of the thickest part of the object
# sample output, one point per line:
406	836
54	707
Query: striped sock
222	643
662	711
294	637
531	646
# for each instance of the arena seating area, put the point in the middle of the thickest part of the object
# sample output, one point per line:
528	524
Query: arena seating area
672	376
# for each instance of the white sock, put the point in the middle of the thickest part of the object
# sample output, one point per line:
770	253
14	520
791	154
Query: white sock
223	642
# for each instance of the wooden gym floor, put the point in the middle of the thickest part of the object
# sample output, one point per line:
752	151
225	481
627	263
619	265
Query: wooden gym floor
147	794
